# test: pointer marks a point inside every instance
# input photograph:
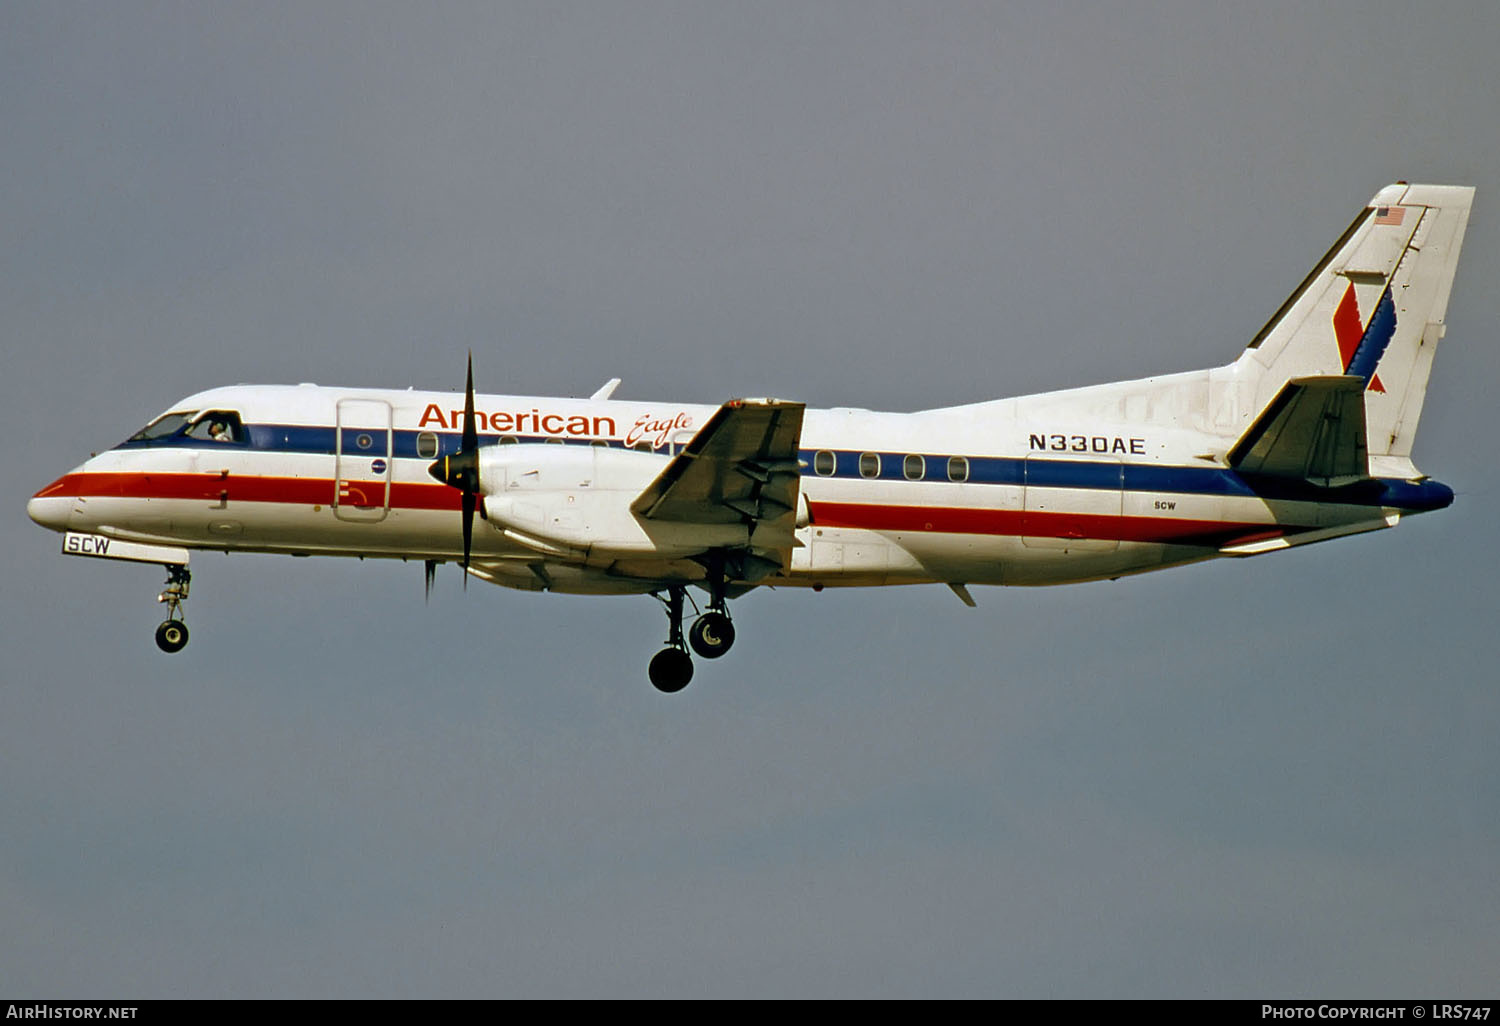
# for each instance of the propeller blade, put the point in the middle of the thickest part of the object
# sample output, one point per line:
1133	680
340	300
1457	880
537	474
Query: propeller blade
460	470
429	575
471	436
469	504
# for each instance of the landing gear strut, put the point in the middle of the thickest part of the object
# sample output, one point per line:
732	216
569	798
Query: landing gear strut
172	634
713	633
672	667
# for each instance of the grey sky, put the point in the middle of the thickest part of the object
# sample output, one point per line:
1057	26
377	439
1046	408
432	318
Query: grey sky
1270	777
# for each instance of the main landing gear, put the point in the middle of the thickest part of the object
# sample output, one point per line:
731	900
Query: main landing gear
711	635
172	634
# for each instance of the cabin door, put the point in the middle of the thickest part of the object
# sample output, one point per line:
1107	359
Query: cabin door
362	460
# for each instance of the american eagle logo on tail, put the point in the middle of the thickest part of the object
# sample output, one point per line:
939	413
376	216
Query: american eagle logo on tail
1362	345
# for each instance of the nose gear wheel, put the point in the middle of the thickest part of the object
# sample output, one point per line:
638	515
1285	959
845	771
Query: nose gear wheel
172	633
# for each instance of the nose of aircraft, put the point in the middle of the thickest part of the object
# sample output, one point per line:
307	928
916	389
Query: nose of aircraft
50	508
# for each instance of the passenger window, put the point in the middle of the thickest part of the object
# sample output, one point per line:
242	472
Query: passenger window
427	445
869	464
824	463
643	446
509	440
958	468
914	467
554	440
602	443
218	426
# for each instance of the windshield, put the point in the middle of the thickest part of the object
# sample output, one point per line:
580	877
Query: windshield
166	425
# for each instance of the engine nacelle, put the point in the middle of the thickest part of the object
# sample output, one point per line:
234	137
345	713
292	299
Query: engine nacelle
573	501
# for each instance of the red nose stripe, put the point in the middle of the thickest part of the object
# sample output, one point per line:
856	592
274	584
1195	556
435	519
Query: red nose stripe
307	491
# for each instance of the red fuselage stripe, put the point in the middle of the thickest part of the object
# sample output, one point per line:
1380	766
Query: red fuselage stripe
308	491
314	491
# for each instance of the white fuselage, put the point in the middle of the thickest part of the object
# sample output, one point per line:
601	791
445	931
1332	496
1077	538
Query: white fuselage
1045	489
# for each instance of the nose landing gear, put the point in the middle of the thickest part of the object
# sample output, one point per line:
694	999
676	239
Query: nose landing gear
172	633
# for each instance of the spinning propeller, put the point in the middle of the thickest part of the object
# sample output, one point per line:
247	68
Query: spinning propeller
461	469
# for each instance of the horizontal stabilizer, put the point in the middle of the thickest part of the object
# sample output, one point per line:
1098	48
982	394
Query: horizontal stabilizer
1314	430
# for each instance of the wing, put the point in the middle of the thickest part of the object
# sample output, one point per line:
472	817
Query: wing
742	467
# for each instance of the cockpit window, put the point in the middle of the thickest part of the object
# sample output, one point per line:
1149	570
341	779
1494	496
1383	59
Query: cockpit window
218	426
165	426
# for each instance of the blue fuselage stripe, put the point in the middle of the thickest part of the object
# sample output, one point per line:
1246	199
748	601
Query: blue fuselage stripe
1032	471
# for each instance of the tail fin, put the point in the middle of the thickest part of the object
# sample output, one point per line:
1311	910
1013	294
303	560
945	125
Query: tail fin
1373	308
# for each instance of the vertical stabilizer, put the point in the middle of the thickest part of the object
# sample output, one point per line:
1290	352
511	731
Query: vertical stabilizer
1373	308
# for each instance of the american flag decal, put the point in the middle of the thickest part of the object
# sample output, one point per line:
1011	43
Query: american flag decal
1389	215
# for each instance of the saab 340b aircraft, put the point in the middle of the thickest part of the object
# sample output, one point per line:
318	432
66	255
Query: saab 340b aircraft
1306	436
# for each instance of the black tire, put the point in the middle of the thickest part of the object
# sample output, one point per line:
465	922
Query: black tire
171	636
670	670
711	635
